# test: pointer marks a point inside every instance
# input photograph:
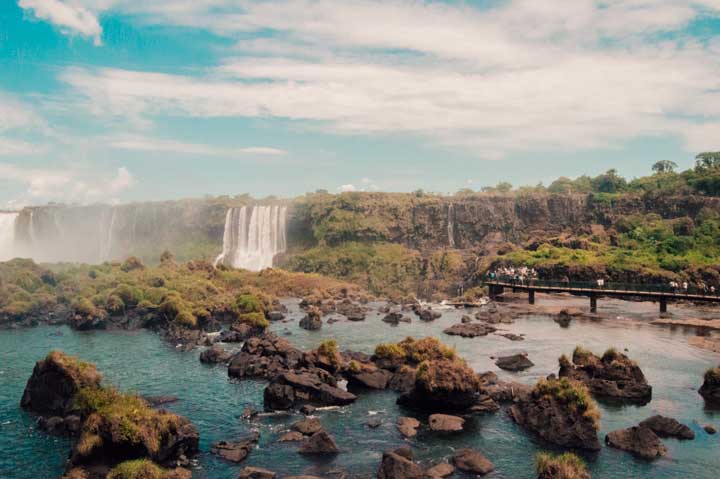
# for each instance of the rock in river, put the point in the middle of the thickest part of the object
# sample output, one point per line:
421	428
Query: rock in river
235	451
445	423
398	464
516	362
638	440
668	427
307	386
472	461
319	443
469	330
710	390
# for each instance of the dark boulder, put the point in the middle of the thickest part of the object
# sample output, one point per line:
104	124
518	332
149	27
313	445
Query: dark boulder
312	320
275	315
399	464
428	314
403	379
307	427
445	423
395	318
214	355
710	389
439	471
473	462
447	385
613	375
668	427
296	388
638	440
469	330
236	451
516	362
264	357
319	443
369	376
256	473
291	436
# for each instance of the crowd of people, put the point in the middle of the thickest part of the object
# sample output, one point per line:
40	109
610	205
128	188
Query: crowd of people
520	275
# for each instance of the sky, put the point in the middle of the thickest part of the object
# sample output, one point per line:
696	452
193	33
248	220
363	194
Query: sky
127	100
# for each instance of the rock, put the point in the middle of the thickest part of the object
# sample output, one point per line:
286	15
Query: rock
275	316
445	423
547	412
307	410
428	314
465	319
249	413
493	317
668	427
710	389
439	471
566	315
516	362
638	440
264	357
710	429
307	427
472	461
256	473
469	330
397	465
214	355
408	426
374	422
446	385
295	388
156	401
352	311
396	318
312	320
234	451
613	375
319	443
291	436
371	377
52	424
55	380
512	336
403	380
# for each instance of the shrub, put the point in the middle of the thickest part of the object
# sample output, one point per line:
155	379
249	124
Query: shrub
130	295
131	264
83	373
581	354
329	350
390	351
186	319
85	307
354	367
416	351
115	304
563	466
256	320
249	303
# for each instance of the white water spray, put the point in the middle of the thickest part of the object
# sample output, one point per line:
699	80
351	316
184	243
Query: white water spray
251	241
7	235
451	226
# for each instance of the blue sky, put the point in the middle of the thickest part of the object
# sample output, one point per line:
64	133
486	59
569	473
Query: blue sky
120	100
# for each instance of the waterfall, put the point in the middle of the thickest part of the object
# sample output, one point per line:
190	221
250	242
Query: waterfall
253	237
7	235
106	238
451	226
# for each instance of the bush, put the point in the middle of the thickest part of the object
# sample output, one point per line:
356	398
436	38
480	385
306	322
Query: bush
132	264
571	393
256	320
115	304
85	307
563	466
249	303
130	295
186	319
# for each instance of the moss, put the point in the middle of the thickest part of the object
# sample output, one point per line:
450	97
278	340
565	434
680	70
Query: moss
329	350
256	320
563	466
145	469
570	393
186	319
83	373
390	351
249	303
416	351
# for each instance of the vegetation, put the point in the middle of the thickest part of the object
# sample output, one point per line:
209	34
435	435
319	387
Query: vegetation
145	469
712	377
570	393
562	466
416	351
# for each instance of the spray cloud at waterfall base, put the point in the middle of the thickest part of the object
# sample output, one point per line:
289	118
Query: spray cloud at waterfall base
253	237
7	235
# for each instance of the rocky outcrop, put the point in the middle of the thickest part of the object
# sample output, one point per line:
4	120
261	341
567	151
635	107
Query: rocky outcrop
638	440
447	385
469	330
396	317
256	473
398	464
710	389
408	426
236	451
214	355
560	412
613	375
264	357
439	471
307	427
516	362
292	389
668	427
352	311
445	423
312	320
472	462
319	443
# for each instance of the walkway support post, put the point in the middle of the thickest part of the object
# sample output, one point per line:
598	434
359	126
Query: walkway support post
593	304
531	296
663	305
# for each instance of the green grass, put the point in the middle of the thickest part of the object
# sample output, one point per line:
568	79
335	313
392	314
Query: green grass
562	466
570	393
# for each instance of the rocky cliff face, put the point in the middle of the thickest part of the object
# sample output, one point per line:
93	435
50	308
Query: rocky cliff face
194	228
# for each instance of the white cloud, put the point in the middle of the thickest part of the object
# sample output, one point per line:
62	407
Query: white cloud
69	184
140	143
346	188
69	15
522	76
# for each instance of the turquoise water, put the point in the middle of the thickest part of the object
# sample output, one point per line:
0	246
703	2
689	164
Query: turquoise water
142	362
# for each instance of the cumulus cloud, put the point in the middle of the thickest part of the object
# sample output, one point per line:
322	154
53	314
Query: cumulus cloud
346	188
69	15
140	143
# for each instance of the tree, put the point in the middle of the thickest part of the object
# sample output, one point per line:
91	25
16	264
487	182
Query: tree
609	182
707	160
504	187
664	166
561	185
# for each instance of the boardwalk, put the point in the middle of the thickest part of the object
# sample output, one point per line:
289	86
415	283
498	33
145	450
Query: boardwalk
658	293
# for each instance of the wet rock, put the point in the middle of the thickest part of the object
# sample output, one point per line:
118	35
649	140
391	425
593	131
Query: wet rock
446	423
256	473
710	429
638	440
156	401
264	357
469	330
214	355
370	377
566	315
408	426
612	375
472	461
428	314
275	316
352	311
546	412
668	427
234	451
516	362
312	320
399	464
512	336
447	385
374	422
295	388
465	319
403	380
493	317
439	471
307	427
249	413
319	443
710	389
307	410
396	318
291	436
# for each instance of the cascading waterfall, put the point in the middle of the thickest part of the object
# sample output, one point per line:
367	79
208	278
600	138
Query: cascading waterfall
7	235
106	238
253	237
451	226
